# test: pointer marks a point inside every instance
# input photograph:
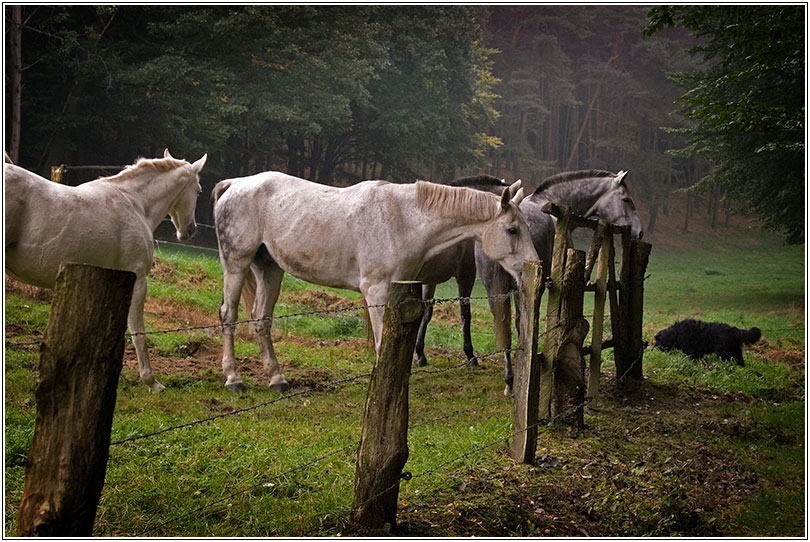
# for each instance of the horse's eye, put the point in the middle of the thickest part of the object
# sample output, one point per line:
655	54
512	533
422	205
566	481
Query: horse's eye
627	200
512	231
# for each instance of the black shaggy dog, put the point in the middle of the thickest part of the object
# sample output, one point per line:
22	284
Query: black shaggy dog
696	339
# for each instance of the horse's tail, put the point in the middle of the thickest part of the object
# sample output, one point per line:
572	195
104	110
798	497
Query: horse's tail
220	189
750	336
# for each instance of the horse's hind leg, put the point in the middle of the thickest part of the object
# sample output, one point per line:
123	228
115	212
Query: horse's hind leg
136	326
465	287
268	285
233	278
428	290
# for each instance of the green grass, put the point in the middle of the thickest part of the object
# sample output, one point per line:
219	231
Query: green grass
699	449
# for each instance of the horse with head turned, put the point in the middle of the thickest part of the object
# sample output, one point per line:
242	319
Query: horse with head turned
361	238
108	222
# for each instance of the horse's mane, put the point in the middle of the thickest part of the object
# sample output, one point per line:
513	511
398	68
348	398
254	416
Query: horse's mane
449	200
477	180
569	176
159	164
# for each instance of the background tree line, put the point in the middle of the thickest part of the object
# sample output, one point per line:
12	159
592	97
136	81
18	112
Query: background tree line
338	94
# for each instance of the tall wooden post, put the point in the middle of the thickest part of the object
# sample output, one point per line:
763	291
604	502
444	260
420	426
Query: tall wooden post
569	363
527	365
639	258
600	295
553	328
80	361
383	447
619	318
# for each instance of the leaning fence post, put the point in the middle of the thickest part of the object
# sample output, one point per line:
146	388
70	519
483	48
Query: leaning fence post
527	365
383	447
80	361
600	295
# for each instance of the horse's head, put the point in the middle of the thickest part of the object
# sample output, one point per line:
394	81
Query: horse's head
506	238
617	207
184	205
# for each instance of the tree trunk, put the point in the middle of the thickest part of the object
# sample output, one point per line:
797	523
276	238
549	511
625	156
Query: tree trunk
16	82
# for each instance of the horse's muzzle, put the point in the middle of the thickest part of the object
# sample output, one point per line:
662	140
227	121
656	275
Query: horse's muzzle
188	234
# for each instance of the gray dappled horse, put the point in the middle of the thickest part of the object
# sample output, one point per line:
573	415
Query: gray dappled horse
590	193
361	238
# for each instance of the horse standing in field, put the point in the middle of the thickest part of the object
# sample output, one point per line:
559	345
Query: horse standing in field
107	222
590	193
361	238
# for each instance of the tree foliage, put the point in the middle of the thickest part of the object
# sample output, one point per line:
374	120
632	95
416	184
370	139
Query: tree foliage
331	93
746	105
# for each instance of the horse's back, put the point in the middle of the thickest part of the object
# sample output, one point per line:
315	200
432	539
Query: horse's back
48	223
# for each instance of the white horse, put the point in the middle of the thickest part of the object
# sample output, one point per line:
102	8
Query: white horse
359	238
108	222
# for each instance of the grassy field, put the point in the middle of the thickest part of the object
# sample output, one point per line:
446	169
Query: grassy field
698	449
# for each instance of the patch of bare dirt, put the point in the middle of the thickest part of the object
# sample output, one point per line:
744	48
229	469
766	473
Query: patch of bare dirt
26	290
319	300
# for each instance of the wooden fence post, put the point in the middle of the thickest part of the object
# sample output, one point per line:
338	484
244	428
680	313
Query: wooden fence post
568	361
383	447
639	258
605	238
553	330
619	315
527	365
80	361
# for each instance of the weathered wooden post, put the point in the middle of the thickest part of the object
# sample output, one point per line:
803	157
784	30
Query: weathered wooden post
553	328
80	361
605	238
527	365
627	323
383	447
639	258
58	173
568	361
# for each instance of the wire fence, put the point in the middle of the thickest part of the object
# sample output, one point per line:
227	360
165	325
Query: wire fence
334	384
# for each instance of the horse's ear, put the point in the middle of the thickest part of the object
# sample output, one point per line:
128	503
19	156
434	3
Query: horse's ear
517	198
505	198
514	194
198	165
166	153
620	177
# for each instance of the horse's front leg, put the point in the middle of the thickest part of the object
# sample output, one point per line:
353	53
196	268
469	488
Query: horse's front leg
268	285
501	309
428	291
228	314
137	328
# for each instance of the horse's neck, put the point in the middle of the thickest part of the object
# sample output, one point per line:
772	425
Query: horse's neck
153	190
579	195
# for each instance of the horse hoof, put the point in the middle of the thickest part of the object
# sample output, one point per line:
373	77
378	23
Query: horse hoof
236	387
472	362
281	387
507	391
156	387
421	362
